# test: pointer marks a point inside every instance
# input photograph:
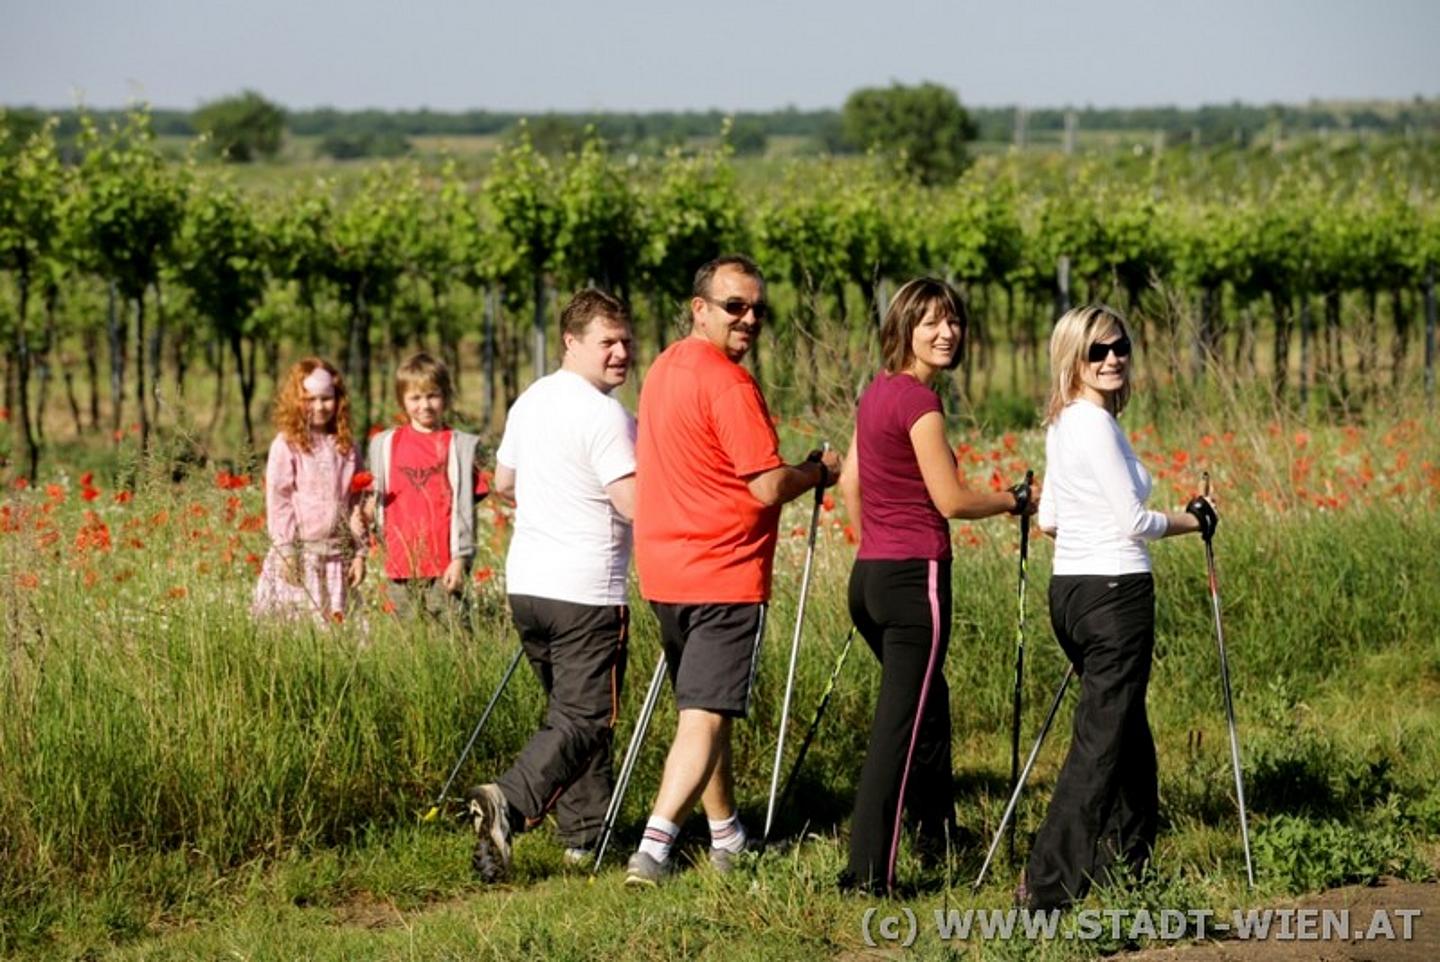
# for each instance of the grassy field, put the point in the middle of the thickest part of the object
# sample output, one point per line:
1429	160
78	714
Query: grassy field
180	781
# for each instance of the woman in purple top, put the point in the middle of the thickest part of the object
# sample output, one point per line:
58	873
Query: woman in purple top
900	487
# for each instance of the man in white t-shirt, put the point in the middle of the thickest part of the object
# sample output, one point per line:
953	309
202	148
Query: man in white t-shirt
568	461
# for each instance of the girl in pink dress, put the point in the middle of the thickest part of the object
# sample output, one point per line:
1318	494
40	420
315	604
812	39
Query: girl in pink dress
312	499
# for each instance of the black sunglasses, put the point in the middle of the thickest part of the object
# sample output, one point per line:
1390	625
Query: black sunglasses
1100	350
737	306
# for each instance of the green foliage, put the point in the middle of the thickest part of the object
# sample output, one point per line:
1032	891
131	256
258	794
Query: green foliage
522	191
1299	855
342	145
553	135
600	234
747	136
977	237
923	126
32	192
694	212
299	231
241	128
18	125
222	254
129	205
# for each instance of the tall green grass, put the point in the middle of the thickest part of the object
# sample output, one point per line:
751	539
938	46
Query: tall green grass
166	759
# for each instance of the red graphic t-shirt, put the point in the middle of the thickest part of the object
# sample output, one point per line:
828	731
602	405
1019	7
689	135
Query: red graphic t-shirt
418	501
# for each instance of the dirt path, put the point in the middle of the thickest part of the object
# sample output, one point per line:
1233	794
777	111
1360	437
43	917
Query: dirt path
1363	903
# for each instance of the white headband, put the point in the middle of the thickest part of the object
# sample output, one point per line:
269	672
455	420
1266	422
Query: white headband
319	383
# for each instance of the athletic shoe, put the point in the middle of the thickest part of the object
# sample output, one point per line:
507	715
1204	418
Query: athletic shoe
491	860
724	861
848	884
645	869
576	857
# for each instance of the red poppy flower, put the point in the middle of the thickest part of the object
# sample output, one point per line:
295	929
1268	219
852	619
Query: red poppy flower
232	482
484	574
124	497
363	481
93	534
88	493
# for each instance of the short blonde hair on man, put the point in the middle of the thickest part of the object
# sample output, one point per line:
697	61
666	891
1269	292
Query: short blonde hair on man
1069	344
421	371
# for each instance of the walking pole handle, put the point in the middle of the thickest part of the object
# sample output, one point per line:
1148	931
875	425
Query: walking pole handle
1021	491
1203	510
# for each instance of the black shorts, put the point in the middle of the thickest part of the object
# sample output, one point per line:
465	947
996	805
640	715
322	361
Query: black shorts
711	652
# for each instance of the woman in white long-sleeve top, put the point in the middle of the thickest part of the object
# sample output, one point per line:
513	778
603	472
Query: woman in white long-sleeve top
1102	607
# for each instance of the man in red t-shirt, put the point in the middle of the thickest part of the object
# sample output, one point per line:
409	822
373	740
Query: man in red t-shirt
709	486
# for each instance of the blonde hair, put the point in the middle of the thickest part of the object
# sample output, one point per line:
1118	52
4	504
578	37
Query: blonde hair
290	418
420	371
1069	343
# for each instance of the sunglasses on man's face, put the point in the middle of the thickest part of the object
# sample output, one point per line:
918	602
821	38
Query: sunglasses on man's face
737	306
1101	349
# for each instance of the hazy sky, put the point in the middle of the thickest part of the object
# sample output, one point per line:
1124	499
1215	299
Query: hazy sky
740	54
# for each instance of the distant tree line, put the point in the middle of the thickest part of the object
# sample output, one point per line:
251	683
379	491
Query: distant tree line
348	133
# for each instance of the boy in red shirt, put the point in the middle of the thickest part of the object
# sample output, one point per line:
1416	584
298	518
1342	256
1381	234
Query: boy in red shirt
427	482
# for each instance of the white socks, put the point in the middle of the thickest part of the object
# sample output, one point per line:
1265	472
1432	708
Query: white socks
659	838
728	834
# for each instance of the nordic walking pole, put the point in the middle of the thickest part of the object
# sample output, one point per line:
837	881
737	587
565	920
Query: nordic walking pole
794	654
1025	773
1022	505
815	722
1203	512
434	811
627	767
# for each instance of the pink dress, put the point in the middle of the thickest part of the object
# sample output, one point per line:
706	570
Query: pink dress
308	511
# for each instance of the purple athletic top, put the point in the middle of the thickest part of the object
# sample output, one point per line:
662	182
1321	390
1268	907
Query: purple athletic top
898	521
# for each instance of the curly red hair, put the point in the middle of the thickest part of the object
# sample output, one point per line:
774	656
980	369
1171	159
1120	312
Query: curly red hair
290	419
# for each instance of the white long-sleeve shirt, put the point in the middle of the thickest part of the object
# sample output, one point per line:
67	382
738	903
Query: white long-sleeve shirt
1095	491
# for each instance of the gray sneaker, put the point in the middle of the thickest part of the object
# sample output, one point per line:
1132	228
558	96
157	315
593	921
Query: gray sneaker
575	856
644	869
724	861
488	811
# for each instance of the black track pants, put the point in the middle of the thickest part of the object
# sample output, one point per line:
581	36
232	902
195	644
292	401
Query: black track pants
1106	800
902	608
578	653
